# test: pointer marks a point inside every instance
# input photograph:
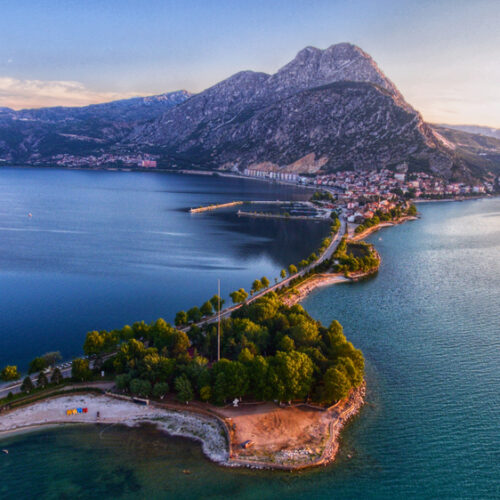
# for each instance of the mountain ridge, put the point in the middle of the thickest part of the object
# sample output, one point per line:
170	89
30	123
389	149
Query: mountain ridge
324	110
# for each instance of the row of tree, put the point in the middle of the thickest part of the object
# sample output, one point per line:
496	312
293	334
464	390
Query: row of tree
392	215
195	314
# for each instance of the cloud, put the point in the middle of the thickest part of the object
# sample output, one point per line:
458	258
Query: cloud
18	94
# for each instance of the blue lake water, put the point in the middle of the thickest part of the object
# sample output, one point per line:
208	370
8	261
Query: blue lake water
104	249
429	326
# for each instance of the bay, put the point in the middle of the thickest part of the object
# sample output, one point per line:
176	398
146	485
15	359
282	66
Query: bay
103	249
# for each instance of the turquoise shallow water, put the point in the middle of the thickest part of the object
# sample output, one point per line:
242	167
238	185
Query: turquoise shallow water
429	325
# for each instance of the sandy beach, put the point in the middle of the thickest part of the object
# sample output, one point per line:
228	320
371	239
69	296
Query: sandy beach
208	431
302	290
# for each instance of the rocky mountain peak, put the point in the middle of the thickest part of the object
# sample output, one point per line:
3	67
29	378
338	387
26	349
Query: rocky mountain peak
340	62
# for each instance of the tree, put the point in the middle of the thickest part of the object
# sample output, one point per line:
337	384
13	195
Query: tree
27	385
42	380
56	377
286	344
9	373
194	314
295	370
122	381
179	343
238	296
265	282
257	285
257	370
292	269
283	274
94	343
80	369
160	390
207	309
181	318
303	264
37	365
205	393
184	389
304	330
52	357
313	257
335	385
140	387
215	302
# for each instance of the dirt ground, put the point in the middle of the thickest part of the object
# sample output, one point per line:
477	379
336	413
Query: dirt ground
272	429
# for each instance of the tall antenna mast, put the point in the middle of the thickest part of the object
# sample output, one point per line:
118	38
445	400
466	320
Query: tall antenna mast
218	320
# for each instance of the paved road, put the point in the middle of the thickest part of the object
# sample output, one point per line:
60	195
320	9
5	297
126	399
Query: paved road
15	387
327	254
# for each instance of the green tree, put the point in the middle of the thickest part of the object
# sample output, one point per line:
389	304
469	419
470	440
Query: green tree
179	343
194	314
207	309
80	370
303	264
94	343
215	302
37	365
286	344
56	377
122	381
9	373
184	389
258	378
265	282
42	380
292	269
257	285
283	274
27	385
295	370
160	390
140	387
238	296
312	258
181	318
205	393
336	385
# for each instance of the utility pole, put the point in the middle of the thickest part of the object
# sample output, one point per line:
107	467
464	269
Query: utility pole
218	320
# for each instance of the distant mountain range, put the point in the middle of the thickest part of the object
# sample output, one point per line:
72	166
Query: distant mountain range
475	129
325	110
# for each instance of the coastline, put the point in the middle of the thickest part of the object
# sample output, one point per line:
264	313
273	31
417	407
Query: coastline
212	427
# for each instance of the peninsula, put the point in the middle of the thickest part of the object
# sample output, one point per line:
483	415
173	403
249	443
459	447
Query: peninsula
274	392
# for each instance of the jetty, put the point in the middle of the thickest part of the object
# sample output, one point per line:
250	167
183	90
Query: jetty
279	216
214	207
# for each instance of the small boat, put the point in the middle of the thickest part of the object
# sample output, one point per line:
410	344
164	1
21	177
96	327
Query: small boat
5	451
30	215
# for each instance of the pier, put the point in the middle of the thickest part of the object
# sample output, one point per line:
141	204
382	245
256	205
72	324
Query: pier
214	207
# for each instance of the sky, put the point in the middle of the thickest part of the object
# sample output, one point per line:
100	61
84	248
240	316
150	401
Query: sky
443	55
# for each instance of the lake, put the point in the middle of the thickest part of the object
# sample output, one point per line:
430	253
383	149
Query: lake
429	326
104	249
